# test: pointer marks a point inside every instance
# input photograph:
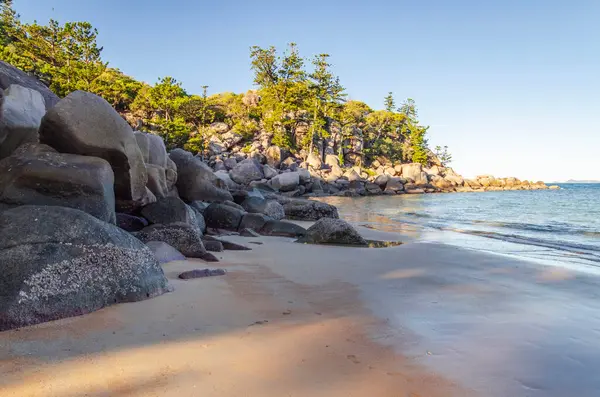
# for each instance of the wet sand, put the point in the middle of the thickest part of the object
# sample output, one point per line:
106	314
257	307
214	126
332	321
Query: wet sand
300	320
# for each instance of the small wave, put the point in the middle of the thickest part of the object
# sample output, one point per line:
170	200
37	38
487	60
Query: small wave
418	214
561	228
591	252
553	228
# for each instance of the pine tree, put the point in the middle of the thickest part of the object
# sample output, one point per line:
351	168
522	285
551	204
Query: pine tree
390	103
8	22
415	132
328	95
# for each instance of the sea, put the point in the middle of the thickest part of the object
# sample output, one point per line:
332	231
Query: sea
553	227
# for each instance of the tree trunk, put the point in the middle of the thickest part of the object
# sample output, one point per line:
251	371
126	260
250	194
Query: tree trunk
312	135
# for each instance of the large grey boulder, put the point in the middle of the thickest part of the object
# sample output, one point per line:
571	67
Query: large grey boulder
352	175
282	229
286	182
170	210
224	176
440	182
269	171
229	163
219	166
456	180
259	205
274	156
223	216
335	173
372	188
181	236
394	185
152	148
234	205
196	181
415	172
332	231
20	118
332	160
171	174
157	181
10	75
308	210
83	123
289	164
36	174
154	153
247	171
131	223
381	180
199	206
58	262
304	175
213	245
314	161
254	221
228	245
164	253
230	139
274	210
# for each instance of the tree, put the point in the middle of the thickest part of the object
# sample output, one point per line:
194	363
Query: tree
383	135
197	110
352	118
417	143
443	155
327	96
117	88
390	103
283	88
9	20
166	96
265	66
82	63
409	109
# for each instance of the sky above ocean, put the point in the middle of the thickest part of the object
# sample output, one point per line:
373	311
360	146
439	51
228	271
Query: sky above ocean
512	87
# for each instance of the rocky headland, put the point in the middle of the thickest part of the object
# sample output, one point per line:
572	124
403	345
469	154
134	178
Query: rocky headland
269	167
90	207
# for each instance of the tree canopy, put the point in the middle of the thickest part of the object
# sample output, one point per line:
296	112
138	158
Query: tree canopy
300	103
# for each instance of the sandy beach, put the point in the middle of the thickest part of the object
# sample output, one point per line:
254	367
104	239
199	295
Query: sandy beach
300	320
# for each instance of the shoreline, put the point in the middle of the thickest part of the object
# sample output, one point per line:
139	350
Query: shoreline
310	320
411	216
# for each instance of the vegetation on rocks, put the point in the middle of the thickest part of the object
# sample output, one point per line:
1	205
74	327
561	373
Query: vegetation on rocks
299	104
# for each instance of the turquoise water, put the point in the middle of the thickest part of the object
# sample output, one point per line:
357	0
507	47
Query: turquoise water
550	226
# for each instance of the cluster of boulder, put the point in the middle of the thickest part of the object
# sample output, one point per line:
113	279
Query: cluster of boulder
89	208
268	166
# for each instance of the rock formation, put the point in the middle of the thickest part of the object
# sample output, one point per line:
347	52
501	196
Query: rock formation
85	124
81	194
333	231
60	262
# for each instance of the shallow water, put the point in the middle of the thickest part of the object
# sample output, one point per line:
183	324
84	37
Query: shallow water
504	328
547	226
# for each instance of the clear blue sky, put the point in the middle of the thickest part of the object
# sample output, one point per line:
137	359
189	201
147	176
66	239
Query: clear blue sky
512	87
